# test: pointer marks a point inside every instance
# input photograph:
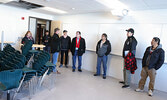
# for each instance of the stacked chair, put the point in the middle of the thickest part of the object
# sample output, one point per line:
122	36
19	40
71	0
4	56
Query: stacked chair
15	68
11	75
11	59
39	65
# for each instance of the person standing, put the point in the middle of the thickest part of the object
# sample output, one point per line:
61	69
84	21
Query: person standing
28	36
78	47
55	46
103	49
129	51
65	41
46	40
152	60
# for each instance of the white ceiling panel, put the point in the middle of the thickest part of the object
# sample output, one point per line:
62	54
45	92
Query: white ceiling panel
89	6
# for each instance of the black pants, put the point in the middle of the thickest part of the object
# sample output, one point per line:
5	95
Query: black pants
66	56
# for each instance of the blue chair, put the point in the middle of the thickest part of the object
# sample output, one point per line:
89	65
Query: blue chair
11	79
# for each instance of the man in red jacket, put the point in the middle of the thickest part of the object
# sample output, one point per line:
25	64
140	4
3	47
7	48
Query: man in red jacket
78	49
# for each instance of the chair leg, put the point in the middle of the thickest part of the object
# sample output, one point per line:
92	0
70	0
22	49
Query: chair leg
43	77
8	95
18	89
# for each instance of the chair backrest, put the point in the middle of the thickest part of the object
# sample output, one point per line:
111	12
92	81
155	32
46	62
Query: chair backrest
11	78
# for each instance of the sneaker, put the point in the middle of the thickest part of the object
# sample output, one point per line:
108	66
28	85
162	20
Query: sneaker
96	75
150	93
58	72
104	77
61	65
79	70
125	86
139	90
66	66
73	70
122	82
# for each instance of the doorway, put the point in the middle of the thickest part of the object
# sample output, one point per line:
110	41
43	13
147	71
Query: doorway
38	26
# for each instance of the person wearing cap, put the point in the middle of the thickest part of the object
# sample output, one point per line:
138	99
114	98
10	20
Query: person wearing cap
55	46
65	41
78	47
128	49
103	49
152	60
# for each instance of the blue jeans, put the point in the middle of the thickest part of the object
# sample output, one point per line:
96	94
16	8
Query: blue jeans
74	60
47	49
54	60
99	61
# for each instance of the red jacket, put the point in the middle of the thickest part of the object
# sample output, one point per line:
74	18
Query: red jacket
130	62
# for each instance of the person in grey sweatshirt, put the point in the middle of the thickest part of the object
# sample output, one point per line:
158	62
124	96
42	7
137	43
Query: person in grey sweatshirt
103	49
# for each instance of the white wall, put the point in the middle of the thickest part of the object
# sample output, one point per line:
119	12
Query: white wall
115	63
12	24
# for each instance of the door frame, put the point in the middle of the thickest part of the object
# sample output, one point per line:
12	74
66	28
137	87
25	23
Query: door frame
36	24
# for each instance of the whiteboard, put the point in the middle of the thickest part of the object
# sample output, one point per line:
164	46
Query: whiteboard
88	31
164	40
116	35
143	34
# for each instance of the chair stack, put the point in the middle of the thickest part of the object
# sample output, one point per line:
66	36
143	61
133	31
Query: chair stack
25	50
39	62
11	59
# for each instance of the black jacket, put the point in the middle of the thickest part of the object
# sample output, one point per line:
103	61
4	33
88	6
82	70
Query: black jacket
46	37
81	48
108	49
130	45
55	43
65	43
156	58
25	39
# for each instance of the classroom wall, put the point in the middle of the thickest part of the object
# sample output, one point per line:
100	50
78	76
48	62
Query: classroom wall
115	63
12	24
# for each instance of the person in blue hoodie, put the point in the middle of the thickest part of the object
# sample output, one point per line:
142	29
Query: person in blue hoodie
152	60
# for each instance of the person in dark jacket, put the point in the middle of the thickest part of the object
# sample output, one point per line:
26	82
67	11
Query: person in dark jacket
78	47
46	40
55	46
152	60
103	49
65	41
28	36
129	47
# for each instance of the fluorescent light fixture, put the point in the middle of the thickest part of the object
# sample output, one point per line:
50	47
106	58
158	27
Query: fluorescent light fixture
54	10
6	1
113	4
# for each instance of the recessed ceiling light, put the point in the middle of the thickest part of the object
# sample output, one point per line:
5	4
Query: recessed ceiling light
73	8
47	0
54	10
119	12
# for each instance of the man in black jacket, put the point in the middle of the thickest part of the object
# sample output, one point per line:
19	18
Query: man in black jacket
46	40
103	49
152	60
55	46
65	41
78	47
129	47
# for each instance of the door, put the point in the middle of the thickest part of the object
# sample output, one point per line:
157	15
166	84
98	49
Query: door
33	26
55	24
